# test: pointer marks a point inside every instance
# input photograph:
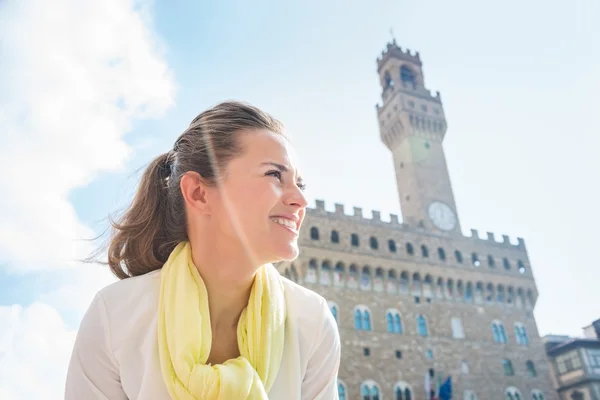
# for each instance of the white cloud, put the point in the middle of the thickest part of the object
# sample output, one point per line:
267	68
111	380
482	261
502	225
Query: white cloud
74	75
35	349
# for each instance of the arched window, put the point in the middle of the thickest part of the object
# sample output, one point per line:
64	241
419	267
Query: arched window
506	263
373	243
422	326
491	261
392	246
369	391
335	237
441	254
365	278
469	395
512	393
409	249
314	233
424	251
458	256
354	240
342	391
334	309
475	260
407	77
388	81
521	334
362	318
393	321
402	391
498	332
531	368
469	292
521	266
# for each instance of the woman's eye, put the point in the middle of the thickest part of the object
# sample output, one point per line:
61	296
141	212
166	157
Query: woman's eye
276	174
301	185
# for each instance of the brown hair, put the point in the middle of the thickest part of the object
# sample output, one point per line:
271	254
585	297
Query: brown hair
145	235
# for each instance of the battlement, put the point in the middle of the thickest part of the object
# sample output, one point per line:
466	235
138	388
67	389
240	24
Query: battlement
394	224
394	51
419	92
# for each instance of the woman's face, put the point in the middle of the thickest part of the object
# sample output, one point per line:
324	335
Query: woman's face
259	203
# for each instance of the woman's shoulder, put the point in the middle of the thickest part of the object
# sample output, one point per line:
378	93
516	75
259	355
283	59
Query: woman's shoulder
126	297
308	310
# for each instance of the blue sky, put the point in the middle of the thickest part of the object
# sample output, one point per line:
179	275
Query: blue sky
519	83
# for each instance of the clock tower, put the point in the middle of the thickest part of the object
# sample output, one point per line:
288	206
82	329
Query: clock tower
412	125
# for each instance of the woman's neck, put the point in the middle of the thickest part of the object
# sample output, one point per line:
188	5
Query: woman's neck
228	276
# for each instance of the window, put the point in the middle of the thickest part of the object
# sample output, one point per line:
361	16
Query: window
458	256
398	354
424	251
314	233
342	391
531	368
577	395
506	263
409	249
422	326
498	332
457	329
537	395
521	266
392	246
373	243
508	368
429	354
594	356
394	322
369	391
407	76
366	351
362	318
491	261
354	240
335	237
464	367
475	260
469	395
568	362
521	334
334	309
441	254
513	393
402	391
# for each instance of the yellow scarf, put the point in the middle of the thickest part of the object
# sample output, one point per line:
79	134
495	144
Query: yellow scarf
185	336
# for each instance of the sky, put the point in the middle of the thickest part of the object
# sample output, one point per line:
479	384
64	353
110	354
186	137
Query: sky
91	91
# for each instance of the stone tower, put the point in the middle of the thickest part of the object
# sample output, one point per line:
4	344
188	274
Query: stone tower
412	126
416	301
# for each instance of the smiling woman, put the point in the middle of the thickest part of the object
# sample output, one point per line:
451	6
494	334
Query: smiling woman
200	312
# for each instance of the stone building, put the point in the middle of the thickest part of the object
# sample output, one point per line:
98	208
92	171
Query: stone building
417	297
575	364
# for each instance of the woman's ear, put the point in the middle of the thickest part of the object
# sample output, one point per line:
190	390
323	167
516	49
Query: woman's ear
195	192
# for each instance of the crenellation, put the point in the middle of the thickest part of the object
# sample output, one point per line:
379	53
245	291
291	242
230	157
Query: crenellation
376	216
407	225
320	206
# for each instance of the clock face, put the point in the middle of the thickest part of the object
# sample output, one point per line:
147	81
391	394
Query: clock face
442	215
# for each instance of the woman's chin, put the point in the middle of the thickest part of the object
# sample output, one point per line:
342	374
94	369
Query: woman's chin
287	252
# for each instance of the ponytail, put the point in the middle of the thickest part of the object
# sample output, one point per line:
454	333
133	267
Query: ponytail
144	236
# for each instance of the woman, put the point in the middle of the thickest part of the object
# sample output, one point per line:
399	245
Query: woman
200	312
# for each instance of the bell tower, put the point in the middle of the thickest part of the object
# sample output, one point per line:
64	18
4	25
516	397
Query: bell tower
412	125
